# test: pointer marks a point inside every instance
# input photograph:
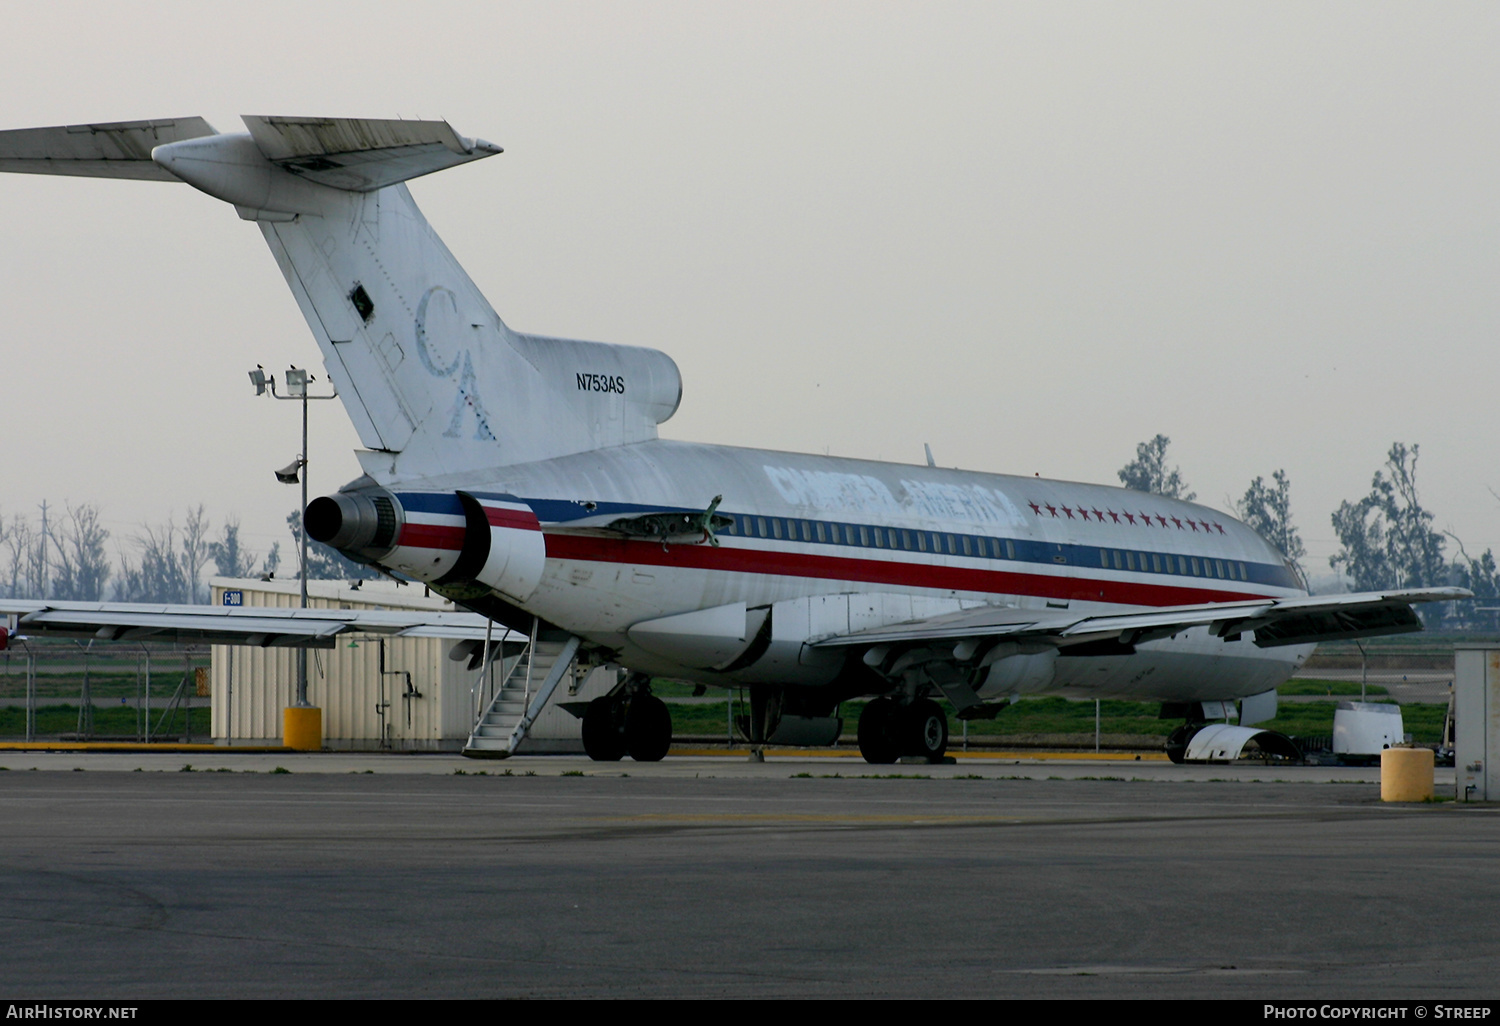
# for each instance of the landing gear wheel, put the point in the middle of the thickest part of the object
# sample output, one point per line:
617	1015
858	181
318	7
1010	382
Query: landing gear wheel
1178	740
877	732
648	729
925	729
602	740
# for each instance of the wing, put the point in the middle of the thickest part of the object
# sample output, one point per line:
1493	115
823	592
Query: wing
259	626
1272	622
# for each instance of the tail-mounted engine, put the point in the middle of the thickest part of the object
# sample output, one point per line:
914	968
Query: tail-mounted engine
447	538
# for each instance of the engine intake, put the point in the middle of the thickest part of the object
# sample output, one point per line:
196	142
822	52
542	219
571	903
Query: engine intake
450	538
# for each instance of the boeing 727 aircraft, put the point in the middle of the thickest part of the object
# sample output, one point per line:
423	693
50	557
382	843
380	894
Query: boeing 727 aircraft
522	477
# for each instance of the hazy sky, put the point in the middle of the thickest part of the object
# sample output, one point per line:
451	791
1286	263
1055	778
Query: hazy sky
1029	234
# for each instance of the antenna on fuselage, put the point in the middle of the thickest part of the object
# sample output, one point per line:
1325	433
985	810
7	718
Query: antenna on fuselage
930	461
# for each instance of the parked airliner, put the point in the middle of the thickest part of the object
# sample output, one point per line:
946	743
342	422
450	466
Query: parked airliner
522	476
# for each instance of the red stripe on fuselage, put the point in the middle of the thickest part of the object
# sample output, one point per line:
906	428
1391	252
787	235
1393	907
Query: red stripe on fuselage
880	571
518	519
431	536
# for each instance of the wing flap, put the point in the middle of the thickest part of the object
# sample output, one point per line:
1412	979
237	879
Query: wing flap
243	625
1275	622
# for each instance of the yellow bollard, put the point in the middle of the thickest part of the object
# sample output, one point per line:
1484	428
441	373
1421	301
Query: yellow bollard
1406	775
302	728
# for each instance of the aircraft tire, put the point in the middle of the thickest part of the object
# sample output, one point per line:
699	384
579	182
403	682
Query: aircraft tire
602	740
878	742
648	729
1177	741
925	729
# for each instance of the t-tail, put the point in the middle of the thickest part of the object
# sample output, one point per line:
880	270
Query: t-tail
434	381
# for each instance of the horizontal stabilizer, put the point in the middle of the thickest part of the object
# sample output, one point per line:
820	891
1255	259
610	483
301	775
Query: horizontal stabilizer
362	154
120	150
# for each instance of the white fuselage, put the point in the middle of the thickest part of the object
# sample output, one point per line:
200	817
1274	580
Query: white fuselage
836	545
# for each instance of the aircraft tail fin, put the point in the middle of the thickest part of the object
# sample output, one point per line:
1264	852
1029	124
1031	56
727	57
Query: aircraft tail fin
433	380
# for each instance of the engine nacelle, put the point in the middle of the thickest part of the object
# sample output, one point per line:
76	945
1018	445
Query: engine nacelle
437	537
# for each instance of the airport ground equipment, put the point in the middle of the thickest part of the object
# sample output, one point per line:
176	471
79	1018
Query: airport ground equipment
1476	716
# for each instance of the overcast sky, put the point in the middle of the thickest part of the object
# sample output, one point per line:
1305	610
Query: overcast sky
1032	235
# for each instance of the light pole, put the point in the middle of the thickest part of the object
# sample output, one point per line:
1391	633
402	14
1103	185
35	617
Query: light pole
296	389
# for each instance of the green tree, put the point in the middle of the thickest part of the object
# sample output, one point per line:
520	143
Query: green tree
1387	537
1269	511
1148	471
230	559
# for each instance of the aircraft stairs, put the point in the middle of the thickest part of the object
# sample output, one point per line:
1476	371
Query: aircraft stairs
528	683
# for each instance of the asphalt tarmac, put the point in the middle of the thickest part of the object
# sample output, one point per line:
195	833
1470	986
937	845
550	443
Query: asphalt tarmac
389	876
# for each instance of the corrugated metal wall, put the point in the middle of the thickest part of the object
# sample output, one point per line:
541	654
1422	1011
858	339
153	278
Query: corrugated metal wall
423	700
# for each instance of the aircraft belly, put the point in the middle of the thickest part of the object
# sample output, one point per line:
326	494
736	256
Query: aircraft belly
1193	667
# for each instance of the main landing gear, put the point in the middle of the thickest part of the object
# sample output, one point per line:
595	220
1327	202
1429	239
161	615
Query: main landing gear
889	730
633	722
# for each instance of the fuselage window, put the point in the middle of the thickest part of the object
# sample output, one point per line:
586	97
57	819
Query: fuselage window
818	527
921	542
952	546
1104	558
1117	560
864	535
760	526
776	527
1243	576
1130	561
1155	563
1218	568
1195	566
1010	548
906	540
879	538
937	543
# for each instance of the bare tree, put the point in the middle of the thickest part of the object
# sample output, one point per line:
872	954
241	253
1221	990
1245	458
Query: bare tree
158	577
15	535
195	553
80	563
1148	471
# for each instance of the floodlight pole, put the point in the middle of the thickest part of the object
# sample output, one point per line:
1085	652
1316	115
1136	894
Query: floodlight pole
296	386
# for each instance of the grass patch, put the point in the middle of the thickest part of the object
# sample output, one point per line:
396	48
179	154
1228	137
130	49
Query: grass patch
63	719
571	773
280	769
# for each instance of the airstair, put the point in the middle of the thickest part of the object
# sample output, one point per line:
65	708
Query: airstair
529	680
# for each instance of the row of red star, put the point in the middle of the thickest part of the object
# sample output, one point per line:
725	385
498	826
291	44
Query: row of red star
1144	518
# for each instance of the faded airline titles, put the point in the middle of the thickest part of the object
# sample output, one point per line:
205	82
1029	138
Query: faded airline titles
602	383
831	490
1144	519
